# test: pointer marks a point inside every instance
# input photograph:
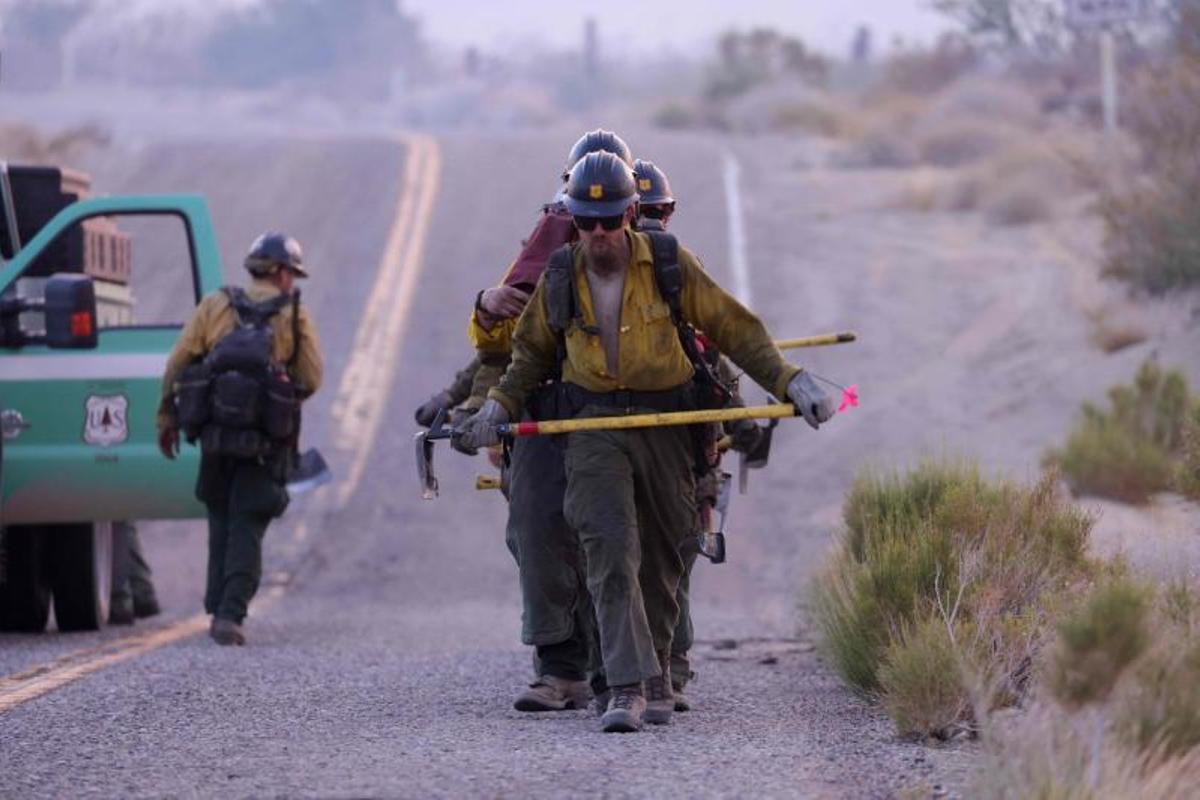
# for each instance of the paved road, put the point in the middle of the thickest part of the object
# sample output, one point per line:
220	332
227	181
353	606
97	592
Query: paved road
385	661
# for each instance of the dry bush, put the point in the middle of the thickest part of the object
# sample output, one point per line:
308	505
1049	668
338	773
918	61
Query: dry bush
942	546
26	144
1130	653
927	71
1116	326
1139	445
1049	754
1153	226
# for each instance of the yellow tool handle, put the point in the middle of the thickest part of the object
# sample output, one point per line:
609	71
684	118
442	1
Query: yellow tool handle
484	483
817	341
555	426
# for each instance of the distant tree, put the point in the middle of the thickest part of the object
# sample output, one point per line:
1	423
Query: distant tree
745	60
1024	24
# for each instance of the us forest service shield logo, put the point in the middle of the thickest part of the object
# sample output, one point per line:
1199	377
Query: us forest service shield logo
105	421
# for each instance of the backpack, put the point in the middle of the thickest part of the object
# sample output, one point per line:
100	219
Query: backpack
238	400
555	228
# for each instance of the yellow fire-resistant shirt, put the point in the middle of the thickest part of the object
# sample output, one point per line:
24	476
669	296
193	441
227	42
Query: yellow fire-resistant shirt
650	356
214	319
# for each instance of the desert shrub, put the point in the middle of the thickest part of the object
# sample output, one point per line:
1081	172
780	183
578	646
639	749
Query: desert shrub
1159	713
927	71
675	116
1048	754
1153	225
941	545
1141	444
923	682
1098	641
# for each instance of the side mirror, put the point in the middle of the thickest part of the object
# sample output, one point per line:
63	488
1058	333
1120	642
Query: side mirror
70	311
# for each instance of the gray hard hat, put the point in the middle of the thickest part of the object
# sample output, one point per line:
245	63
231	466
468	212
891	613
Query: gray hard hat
652	184
597	141
273	250
600	185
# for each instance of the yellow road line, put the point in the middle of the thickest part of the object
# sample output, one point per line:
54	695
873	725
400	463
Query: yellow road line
362	396
36	682
358	410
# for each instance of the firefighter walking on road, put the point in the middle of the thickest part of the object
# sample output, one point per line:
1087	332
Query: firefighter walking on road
235	380
600	315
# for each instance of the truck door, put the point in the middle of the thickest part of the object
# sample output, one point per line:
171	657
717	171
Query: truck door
79	425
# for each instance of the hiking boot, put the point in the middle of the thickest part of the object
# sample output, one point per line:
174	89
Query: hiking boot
682	703
599	702
146	607
551	693
226	632
625	709
660	700
120	612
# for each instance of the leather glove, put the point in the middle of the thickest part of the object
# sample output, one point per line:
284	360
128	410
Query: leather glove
429	409
480	430
814	404
745	434
503	302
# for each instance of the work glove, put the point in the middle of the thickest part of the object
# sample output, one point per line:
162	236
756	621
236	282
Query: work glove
480	430
744	435
813	403
503	302
429	409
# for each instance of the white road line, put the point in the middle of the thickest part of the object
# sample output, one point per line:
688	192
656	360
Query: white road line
738	262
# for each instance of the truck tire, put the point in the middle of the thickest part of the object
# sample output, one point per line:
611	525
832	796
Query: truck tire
24	589
82	575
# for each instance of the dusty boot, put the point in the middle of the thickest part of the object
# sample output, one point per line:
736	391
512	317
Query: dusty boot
682	703
226	632
550	693
146	606
625	709
599	703
660	698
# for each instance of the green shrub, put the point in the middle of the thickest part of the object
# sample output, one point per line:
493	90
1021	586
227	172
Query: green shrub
1098	641
941	546
923	680
1143	443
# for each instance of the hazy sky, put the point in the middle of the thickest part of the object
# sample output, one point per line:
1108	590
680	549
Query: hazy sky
826	24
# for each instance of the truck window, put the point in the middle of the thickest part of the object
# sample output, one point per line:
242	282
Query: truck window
142	266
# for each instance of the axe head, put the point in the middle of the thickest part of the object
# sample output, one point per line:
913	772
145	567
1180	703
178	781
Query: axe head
424	446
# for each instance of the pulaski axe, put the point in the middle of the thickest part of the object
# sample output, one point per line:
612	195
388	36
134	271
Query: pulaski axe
439	430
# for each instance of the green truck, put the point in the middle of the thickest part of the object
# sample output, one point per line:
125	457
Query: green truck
79	388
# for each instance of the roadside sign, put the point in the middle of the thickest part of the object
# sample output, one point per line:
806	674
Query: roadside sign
1093	13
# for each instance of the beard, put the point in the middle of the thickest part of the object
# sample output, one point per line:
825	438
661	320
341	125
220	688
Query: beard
604	257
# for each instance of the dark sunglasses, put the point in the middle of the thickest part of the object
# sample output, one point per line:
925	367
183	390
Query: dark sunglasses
608	223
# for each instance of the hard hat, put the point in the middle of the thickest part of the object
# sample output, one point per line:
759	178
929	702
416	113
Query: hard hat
273	250
653	188
600	185
597	141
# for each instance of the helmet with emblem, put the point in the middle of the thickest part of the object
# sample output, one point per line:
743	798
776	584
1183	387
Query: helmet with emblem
273	250
652	185
600	185
597	141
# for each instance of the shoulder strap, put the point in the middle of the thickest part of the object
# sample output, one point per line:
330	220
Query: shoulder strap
561	303
668	275
249	312
295	330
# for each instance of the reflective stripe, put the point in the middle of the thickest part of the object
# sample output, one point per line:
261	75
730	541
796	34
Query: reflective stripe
82	367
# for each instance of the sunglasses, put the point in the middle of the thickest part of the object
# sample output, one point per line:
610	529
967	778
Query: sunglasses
608	223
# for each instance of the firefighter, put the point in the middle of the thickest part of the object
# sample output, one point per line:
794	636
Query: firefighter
556	615
630	494
235	380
